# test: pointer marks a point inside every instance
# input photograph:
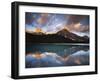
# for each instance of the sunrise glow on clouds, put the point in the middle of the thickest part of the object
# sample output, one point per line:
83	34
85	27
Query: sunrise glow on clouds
51	23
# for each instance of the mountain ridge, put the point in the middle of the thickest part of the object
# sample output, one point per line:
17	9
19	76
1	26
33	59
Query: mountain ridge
62	36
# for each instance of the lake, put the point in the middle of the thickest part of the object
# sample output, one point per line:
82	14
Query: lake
56	54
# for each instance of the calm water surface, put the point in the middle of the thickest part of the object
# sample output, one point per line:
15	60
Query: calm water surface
54	55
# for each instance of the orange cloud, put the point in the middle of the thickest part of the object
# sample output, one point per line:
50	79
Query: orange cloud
43	18
77	26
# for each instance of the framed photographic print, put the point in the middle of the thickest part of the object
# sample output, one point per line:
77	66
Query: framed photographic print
51	40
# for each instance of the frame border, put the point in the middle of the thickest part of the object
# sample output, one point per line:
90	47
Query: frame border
15	37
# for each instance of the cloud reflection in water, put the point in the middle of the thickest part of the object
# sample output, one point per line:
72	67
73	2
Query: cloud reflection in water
50	59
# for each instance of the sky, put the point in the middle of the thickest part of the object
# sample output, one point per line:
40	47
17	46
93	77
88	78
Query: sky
52	23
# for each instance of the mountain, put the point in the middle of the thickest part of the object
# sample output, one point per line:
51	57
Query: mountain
40	33
62	36
72	36
34	33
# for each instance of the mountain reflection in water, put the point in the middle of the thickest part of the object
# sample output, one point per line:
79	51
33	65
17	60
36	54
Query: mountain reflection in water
52	55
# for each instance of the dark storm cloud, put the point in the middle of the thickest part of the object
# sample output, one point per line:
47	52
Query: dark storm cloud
76	18
29	18
78	23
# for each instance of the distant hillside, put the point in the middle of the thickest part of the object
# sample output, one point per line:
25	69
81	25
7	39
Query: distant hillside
62	36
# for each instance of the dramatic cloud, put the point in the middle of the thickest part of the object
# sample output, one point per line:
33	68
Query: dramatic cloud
43	19
51	23
78	27
76	18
